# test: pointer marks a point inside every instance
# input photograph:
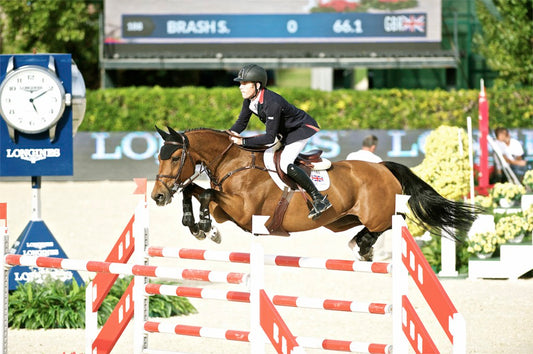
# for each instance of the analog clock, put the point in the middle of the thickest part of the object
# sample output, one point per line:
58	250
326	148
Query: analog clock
32	99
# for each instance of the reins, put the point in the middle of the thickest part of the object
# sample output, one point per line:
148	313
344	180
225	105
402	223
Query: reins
176	186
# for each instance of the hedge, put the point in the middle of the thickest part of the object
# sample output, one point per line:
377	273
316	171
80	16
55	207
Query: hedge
140	108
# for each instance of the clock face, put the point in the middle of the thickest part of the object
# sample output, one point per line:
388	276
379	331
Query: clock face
32	99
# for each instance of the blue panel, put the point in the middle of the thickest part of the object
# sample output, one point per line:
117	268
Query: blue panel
37	240
35	154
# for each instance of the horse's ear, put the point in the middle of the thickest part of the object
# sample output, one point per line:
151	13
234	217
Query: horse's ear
175	135
163	133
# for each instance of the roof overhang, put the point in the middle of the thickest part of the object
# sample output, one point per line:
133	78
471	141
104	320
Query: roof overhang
390	62
117	56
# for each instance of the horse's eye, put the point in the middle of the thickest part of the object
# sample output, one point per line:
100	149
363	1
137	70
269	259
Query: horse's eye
175	158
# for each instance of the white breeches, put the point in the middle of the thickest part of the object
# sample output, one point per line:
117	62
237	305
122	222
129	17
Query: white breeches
290	152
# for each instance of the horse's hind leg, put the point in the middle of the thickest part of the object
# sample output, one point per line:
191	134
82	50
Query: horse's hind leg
365	241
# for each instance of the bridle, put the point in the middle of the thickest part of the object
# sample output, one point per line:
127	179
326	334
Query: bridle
186	149
184	155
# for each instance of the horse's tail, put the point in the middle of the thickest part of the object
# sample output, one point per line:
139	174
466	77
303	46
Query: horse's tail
429	207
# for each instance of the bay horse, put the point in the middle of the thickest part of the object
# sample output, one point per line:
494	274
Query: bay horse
362	193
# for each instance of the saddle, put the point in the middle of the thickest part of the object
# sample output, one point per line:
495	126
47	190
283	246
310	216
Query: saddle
307	161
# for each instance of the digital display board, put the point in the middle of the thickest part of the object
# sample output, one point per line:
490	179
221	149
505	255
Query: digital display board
295	24
316	27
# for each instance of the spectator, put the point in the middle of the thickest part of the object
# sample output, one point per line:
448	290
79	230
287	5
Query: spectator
366	153
512	152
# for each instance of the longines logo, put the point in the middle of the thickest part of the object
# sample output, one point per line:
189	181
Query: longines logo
32	155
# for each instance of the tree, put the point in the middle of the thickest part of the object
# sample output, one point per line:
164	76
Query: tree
506	39
53	26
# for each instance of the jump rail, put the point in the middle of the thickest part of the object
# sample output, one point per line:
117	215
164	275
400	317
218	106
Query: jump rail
273	260
127	269
407	326
244	336
280	300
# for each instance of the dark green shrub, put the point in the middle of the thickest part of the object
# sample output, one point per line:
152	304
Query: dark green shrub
56	304
140	108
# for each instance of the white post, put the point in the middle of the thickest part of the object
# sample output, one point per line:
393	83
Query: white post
447	256
458	329
447	245
4	292
140	299
399	286
257	265
322	79
471	157
36	198
91	319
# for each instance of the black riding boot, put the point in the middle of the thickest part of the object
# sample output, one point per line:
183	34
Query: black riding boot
320	202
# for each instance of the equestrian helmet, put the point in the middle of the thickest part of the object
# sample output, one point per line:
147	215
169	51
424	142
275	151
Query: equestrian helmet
253	73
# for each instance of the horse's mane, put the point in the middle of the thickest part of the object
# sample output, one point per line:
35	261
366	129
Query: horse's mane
209	129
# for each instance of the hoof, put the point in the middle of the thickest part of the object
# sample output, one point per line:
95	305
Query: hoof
364	257
214	235
200	235
367	256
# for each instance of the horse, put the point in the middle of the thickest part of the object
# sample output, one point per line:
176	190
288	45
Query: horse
361	193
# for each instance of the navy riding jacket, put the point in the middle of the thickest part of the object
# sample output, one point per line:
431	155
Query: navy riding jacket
279	117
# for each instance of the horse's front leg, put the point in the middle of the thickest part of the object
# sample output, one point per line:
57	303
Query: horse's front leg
188	215
205	224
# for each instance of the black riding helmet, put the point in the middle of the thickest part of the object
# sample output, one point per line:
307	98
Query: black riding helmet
252	73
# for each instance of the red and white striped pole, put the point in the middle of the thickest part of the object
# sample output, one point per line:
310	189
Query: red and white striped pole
279	300
244	336
127	269
274	260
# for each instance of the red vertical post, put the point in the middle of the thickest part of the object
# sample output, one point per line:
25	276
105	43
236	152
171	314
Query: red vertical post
274	327
483	145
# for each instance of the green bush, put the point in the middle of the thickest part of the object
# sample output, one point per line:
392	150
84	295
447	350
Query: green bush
55	304
140	108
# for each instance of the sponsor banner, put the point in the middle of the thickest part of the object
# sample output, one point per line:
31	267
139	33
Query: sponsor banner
123	156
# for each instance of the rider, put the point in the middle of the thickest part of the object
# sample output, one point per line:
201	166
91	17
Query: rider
279	117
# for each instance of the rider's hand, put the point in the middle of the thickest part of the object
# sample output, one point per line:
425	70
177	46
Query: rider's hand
236	140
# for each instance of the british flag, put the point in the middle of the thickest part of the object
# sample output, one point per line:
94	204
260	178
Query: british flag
414	23
317	178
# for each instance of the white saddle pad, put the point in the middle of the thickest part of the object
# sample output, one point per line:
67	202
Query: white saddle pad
319	177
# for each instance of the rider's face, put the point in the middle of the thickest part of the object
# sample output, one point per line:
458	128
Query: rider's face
247	89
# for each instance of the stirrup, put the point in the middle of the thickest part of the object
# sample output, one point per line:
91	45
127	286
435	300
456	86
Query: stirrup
319	206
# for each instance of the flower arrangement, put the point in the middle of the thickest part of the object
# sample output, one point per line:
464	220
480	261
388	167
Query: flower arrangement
484	201
510	227
509	191
528	216
446	167
528	180
483	242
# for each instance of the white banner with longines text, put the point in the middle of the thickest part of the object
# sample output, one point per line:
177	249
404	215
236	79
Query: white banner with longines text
123	156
